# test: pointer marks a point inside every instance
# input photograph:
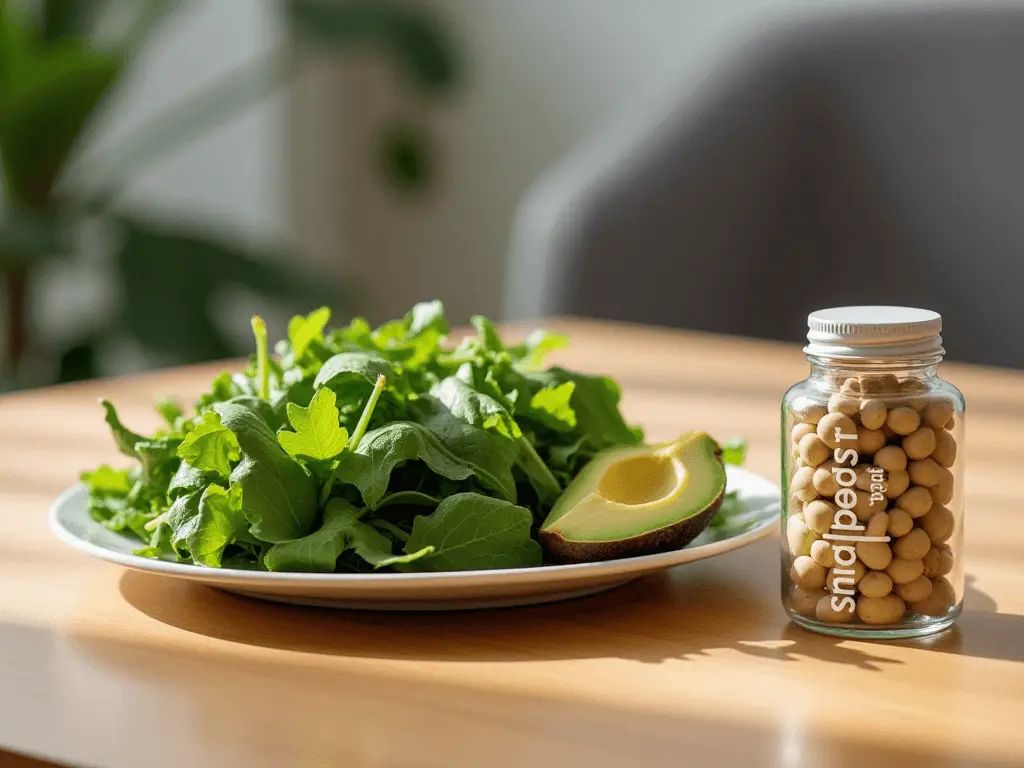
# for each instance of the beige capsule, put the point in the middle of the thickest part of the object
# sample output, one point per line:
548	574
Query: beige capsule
865	508
875	584
822	554
819	515
873	413
864	479
802	486
942	492
939	601
938	524
799	536
812	450
805	409
914	394
937	413
804	601
824	480
880	610
914	545
938	561
944	453
900	522
807	574
800	429
891	459
837	429
850	385
916	590
917	501
919	444
903	420
951	424
902	571
880	384
843	403
877	525
826	611
839	577
896	484
869	440
925	472
876	555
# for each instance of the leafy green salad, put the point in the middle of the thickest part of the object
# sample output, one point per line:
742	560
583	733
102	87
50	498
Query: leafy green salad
357	449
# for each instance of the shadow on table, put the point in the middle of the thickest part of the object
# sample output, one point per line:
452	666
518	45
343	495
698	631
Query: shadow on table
726	603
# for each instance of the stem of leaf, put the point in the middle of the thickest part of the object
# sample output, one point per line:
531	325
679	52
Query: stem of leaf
391	528
528	455
259	329
153	524
325	492
364	420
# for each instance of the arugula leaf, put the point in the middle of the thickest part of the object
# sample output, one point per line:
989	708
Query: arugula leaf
489	338
186	479
469	531
551	407
317	434
105	480
369	466
595	400
475	408
538	345
341	530
490	455
169	409
219	523
123	437
303	331
734	451
279	498
210	446
353	366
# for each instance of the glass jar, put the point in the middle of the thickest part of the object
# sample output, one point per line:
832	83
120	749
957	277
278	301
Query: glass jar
872	478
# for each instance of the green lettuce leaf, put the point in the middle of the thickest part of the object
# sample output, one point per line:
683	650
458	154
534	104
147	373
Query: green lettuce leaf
210	446
469	532
317	434
279	498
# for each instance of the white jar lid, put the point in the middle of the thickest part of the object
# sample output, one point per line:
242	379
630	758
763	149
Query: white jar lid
874	332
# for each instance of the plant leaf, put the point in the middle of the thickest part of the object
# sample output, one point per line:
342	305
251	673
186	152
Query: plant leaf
279	498
302	331
469	531
369	467
317	434
124	438
210	446
475	408
218	523
552	407
734	451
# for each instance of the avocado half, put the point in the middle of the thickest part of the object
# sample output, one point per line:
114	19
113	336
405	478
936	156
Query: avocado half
637	500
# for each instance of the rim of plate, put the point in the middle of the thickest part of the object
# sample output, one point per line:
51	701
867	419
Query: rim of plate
622	565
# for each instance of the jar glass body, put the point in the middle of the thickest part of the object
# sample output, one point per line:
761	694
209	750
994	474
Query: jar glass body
872	481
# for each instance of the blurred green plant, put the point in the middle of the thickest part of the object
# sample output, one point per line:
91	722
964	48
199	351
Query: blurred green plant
59	62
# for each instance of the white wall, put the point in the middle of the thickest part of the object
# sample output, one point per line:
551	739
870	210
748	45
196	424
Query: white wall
544	74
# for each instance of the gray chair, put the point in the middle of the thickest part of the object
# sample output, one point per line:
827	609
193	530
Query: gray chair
870	159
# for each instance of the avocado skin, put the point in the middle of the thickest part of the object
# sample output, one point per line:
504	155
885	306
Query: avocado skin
675	536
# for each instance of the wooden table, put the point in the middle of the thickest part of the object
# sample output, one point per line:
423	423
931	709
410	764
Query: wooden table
104	667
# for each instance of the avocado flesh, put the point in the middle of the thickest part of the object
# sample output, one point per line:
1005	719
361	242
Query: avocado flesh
637	500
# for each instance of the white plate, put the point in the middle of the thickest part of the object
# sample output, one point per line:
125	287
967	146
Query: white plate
457	590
